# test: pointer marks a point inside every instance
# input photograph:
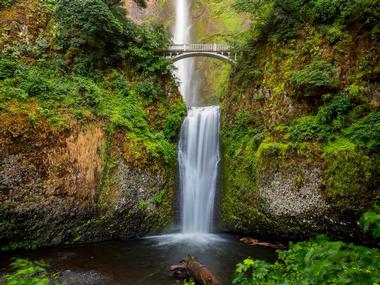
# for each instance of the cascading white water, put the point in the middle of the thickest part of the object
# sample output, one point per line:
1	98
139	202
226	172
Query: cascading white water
185	68
199	142
198	160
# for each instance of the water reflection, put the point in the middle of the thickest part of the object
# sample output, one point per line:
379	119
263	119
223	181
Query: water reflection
144	261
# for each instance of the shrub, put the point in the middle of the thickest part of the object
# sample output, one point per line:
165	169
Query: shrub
38	87
27	273
371	221
357	92
149	89
315	79
331	117
6	3
88	22
335	112
317	261
8	93
326	10
8	68
366	131
305	128
88	93
126	112
174	120
334	34
108	36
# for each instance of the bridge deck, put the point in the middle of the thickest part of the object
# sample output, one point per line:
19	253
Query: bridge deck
199	48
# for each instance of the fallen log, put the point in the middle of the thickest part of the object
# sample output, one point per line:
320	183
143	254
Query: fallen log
252	241
191	268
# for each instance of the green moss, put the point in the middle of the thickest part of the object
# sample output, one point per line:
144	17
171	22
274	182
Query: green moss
299	181
239	196
158	198
314	79
349	173
19	245
268	149
341	144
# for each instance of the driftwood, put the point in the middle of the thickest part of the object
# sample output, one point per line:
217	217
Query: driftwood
191	268
254	242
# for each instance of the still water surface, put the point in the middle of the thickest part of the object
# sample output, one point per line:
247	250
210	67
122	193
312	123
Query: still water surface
145	261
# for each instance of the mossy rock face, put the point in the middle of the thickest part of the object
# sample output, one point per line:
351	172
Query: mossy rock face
350	179
289	185
275	184
286	194
74	196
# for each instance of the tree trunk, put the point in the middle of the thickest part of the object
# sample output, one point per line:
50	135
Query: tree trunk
191	268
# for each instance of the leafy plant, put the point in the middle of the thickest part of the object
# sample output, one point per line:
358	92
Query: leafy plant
149	89
371	221
366	131
6	3
331	117
326	11
189	282
315	79
173	120
317	261
8	68
27	273
334	34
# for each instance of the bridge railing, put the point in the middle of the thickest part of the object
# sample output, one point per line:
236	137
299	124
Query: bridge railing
199	48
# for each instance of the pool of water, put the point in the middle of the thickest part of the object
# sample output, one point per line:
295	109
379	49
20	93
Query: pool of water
145	261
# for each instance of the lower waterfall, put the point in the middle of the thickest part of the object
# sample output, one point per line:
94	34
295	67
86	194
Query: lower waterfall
198	160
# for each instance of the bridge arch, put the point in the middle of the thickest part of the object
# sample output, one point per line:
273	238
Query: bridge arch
222	57
180	51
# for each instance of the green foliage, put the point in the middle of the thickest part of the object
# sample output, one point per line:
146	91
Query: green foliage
334	34
366	131
241	132
149	89
338	119
240	140
8	68
315	79
371	221
189	282
332	117
174	120
6	3
144	54
305	128
318	261
18	245
280	19
27	273
125	112
101	28
142	205
326	11
88	22
159	198
348	174
276	18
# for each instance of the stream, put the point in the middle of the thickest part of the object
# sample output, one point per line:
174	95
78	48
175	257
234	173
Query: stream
145	261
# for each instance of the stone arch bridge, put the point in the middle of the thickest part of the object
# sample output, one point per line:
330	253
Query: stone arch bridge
180	51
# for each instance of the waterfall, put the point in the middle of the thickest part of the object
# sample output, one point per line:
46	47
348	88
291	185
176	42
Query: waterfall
185	68
198	154
198	160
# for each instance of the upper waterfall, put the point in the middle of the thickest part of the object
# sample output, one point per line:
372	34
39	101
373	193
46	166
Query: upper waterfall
185	72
